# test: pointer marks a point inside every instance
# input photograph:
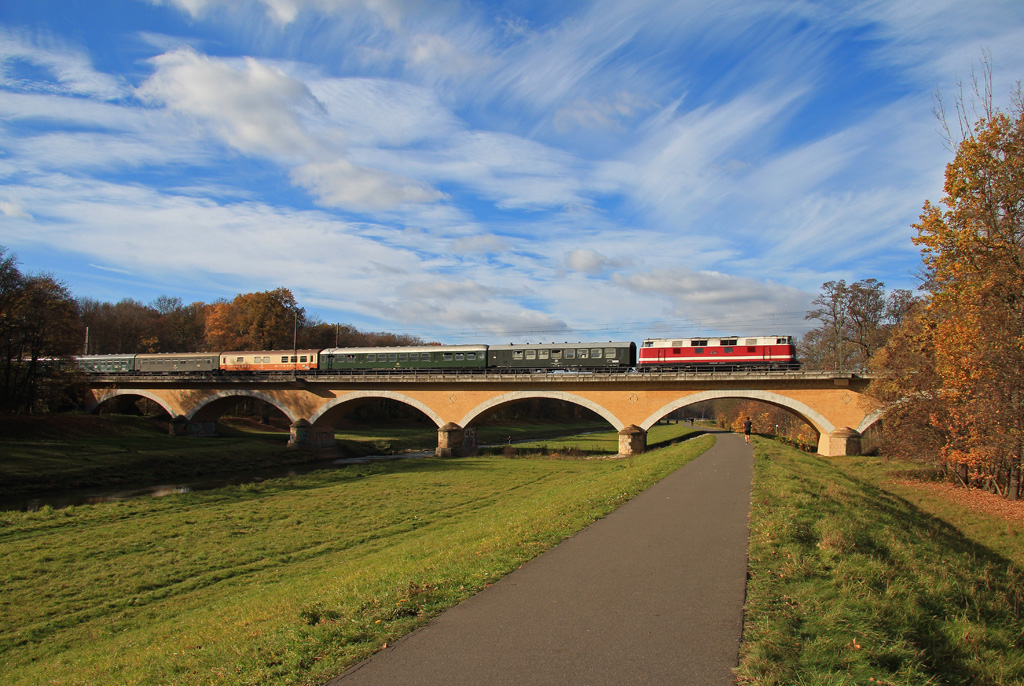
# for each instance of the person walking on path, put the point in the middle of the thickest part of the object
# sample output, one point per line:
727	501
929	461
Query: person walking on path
746	429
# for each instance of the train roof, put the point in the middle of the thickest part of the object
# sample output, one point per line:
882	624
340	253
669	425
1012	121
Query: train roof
548	346
405	349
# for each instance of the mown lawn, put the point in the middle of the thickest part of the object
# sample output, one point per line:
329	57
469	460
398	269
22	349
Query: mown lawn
850	583
288	581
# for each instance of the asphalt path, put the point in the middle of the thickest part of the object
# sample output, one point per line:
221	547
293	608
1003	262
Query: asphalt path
651	594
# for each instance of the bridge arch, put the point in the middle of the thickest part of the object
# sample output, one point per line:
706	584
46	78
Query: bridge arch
390	395
112	393
514	396
194	413
812	416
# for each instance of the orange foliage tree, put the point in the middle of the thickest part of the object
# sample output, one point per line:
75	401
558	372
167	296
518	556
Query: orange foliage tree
970	335
254	321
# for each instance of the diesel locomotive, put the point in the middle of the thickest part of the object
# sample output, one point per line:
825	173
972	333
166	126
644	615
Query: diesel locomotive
771	352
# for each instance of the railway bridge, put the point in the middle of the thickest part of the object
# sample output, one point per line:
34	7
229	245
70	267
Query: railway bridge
835	404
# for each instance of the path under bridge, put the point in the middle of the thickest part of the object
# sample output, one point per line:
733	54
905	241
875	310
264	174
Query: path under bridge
835	404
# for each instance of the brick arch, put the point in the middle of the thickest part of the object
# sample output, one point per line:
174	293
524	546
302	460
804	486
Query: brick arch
390	395
115	392
514	396
810	415
870	420
240	393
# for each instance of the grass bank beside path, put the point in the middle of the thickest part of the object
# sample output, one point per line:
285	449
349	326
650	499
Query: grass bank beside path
113	452
288	581
604	441
850	582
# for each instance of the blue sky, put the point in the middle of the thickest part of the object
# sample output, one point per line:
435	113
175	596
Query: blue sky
477	171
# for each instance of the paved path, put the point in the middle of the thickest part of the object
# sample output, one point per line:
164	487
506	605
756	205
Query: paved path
651	594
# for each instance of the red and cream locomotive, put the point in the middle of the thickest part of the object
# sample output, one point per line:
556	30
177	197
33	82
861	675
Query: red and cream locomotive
760	352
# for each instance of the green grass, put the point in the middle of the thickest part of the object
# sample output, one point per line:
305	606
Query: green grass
852	584
288	581
601	441
111	452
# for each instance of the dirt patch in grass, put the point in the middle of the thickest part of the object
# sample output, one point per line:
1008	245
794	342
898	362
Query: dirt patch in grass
973	498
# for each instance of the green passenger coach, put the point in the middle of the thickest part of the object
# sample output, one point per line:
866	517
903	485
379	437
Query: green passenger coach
411	357
593	356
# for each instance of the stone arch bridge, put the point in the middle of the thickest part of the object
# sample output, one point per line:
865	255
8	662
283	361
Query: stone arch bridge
835	404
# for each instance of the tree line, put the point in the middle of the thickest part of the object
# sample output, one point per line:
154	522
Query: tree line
41	322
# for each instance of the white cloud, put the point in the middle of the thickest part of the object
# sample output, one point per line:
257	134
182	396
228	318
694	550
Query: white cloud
341	184
252	106
71	70
13	209
286	11
259	109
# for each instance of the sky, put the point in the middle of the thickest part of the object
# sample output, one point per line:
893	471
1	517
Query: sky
485	171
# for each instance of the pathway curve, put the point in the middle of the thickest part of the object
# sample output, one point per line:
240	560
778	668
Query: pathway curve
651	594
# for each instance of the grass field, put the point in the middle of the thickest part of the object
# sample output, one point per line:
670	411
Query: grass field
288	581
113	452
852	584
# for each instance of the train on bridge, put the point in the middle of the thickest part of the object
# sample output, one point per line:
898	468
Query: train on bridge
704	353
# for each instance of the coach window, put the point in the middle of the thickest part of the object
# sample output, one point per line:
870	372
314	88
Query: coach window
302	358
404	357
294	359
583	354
460	356
556	354
470	356
609	352
447	357
517	354
570	354
543	354
595	353
531	354
239	360
392	357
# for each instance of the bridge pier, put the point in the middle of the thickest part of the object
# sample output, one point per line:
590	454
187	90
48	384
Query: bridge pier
302	434
632	441
841	442
449	440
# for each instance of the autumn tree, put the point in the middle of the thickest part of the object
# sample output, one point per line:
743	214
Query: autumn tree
971	333
267	320
39	328
856	321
